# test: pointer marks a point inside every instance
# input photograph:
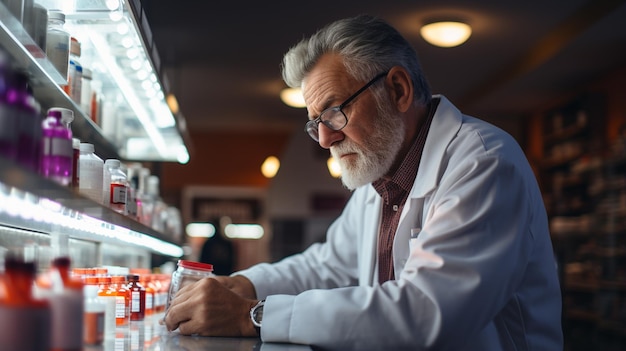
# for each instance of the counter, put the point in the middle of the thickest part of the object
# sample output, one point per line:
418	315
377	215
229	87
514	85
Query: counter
150	335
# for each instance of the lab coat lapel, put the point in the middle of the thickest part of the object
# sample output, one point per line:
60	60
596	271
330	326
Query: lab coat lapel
368	274
445	124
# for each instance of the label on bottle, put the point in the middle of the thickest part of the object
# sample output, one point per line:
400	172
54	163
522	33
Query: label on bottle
118	194
24	328
135	302
120	307
57	147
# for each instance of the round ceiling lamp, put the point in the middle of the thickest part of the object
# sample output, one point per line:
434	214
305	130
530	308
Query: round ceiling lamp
446	34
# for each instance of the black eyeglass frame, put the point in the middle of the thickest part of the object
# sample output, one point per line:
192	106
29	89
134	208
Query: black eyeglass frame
312	127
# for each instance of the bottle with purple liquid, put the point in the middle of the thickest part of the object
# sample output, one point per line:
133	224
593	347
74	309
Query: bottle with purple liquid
57	151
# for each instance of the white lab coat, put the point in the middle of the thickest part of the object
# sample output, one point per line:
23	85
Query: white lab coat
480	275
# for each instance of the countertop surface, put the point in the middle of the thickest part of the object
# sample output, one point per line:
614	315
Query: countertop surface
151	335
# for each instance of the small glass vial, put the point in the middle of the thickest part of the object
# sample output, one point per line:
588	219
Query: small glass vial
58	43
187	272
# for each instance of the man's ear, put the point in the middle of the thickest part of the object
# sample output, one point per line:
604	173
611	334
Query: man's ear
399	80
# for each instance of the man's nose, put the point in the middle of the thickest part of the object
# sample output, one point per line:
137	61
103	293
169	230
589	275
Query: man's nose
327	136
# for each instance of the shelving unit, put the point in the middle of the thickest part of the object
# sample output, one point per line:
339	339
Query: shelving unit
583	176
31	207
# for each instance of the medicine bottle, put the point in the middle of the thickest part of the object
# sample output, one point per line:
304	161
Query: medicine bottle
29	318
187	272
90	173
94	317
137	298
122	300
29	122
8	110
144	279
117	186
75	73
65	296
75	157
108	296
58	43
86	91
57	152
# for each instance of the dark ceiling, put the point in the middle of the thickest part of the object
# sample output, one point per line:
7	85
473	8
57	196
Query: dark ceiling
222	58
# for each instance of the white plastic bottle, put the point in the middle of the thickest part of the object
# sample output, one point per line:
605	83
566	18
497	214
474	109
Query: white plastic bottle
118	186
58	43
93	332
65	296
90	173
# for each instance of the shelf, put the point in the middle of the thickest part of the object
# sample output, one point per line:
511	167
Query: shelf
30	202
137	124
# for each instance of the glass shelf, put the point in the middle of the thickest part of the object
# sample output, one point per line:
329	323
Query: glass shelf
32	203
136	122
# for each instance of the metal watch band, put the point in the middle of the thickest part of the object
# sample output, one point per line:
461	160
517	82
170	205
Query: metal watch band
256	313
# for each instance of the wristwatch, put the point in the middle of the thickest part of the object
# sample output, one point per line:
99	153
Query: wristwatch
256	314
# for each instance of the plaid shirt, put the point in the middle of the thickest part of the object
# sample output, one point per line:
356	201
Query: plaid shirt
394	192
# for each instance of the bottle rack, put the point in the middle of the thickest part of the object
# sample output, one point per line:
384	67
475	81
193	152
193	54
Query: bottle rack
36	205
584	184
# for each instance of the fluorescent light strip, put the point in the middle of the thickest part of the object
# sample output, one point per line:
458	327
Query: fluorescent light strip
43	214
129	93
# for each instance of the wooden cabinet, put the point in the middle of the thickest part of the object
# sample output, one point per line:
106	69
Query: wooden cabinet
583	179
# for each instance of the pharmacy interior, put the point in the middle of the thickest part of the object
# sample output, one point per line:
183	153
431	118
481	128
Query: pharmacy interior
84	116
82	111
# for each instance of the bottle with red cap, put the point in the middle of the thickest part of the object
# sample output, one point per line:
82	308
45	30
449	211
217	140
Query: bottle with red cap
186	273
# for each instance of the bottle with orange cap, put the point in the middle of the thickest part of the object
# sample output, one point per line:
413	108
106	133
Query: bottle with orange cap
145	280
108	296
122	300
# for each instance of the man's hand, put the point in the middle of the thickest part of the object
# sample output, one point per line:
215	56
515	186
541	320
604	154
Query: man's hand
210	308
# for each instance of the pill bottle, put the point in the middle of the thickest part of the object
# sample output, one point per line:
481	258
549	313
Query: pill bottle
58	43
186	273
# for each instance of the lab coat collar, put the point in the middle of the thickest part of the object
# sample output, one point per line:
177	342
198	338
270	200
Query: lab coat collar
446	123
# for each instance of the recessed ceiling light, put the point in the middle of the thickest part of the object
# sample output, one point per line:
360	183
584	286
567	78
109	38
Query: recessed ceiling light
446	33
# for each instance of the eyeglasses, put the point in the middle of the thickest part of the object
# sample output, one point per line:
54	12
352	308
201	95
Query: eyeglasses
334	117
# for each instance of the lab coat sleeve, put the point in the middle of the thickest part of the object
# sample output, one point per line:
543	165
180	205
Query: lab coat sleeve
322	266
462	269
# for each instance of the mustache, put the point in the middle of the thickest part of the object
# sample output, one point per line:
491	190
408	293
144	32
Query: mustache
345	147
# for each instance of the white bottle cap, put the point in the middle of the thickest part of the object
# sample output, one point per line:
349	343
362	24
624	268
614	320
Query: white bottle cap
86	147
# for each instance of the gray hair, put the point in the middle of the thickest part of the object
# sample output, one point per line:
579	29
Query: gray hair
367	45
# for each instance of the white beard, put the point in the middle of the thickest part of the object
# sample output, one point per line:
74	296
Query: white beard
375	158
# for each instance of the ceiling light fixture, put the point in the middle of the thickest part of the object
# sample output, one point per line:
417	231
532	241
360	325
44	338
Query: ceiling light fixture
446	34
293	97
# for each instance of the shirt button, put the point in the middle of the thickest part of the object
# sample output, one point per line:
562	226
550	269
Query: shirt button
395	208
